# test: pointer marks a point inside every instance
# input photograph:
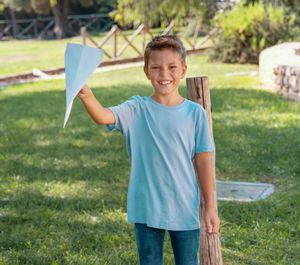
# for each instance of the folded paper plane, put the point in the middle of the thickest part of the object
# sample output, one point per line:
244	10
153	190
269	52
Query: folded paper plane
80	63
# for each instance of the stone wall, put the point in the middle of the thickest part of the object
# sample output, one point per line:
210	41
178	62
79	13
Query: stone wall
287	81
279	68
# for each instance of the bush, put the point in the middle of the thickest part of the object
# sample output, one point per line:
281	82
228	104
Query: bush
245	32
294	31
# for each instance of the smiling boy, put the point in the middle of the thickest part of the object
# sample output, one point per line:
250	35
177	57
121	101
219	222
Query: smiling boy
164	134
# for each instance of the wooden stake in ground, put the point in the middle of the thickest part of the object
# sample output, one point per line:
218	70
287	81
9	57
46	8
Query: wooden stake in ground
210	246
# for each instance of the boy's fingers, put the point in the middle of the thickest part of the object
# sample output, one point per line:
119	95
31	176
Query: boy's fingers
216	229
85	86
212	228
208	228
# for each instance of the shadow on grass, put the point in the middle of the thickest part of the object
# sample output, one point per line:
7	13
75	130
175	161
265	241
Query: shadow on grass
22	201
35	147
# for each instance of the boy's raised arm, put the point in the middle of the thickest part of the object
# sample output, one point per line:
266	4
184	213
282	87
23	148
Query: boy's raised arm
97	112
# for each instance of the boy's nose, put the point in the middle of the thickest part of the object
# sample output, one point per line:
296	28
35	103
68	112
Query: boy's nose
163	73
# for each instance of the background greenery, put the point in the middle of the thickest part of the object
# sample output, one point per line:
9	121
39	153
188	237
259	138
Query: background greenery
63	191
248	29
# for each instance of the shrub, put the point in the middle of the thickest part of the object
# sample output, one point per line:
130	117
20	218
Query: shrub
245	32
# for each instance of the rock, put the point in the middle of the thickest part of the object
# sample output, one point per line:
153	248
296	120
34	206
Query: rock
279	67
270	58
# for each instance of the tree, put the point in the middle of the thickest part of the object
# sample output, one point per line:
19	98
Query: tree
153	12
59	8
245	32
162	12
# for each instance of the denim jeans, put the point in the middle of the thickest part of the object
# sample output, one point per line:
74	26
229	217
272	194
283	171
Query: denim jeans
150	243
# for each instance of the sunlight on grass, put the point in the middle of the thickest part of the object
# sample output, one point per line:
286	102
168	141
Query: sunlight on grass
62	190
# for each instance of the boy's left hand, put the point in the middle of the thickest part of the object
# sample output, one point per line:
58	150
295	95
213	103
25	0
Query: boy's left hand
212	221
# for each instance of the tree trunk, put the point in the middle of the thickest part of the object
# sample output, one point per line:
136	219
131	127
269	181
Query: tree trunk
60	11
13	20
210	245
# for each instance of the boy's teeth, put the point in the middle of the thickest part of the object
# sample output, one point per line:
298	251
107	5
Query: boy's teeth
165	82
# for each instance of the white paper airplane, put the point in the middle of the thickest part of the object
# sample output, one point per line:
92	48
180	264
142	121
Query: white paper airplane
80	63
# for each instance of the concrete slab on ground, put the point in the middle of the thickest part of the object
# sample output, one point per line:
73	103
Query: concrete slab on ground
243	191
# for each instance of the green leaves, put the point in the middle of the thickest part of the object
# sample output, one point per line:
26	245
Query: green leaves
154	12
248	29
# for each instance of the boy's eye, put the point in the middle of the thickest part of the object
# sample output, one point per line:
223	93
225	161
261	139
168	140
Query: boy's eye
154	67
173	66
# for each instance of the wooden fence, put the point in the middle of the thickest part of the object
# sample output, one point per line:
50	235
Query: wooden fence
195	46
43	27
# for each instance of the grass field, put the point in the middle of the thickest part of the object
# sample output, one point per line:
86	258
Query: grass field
63	191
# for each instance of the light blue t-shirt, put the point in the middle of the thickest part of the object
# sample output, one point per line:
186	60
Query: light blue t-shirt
161	143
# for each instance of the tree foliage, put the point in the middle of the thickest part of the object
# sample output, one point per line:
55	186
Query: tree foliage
245	32
1	6
44	6
291	8
18	5
158	12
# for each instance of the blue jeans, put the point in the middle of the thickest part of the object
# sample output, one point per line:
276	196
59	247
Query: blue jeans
150	243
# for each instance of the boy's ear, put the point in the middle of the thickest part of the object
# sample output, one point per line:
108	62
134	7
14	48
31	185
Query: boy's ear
184	71
146	72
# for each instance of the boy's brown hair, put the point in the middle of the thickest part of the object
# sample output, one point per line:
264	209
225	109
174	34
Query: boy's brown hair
165	42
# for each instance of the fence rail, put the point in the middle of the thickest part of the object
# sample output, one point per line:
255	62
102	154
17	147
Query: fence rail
43	27
196	46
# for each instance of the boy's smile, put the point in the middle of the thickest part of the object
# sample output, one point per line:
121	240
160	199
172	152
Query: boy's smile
165	69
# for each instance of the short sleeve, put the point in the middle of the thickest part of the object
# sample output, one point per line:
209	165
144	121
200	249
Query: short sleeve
124	115
203	140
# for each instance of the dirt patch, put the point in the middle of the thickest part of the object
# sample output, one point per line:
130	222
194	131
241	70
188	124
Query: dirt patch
16	58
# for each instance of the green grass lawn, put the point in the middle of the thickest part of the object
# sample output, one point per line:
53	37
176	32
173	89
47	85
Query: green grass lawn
63	191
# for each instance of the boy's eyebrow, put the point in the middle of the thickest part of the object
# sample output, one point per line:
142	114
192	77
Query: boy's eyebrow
159	64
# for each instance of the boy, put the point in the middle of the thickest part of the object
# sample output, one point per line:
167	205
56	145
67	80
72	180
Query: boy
164	133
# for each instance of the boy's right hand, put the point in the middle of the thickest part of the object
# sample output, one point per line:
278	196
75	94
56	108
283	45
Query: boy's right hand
84	92
98	113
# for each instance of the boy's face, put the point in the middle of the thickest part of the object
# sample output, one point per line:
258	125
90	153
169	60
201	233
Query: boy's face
165	69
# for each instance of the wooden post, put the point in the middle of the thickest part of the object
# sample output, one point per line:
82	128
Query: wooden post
14	23
115	41
128	42
169	30
210	245
207	37
83	34
196	33
143	39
